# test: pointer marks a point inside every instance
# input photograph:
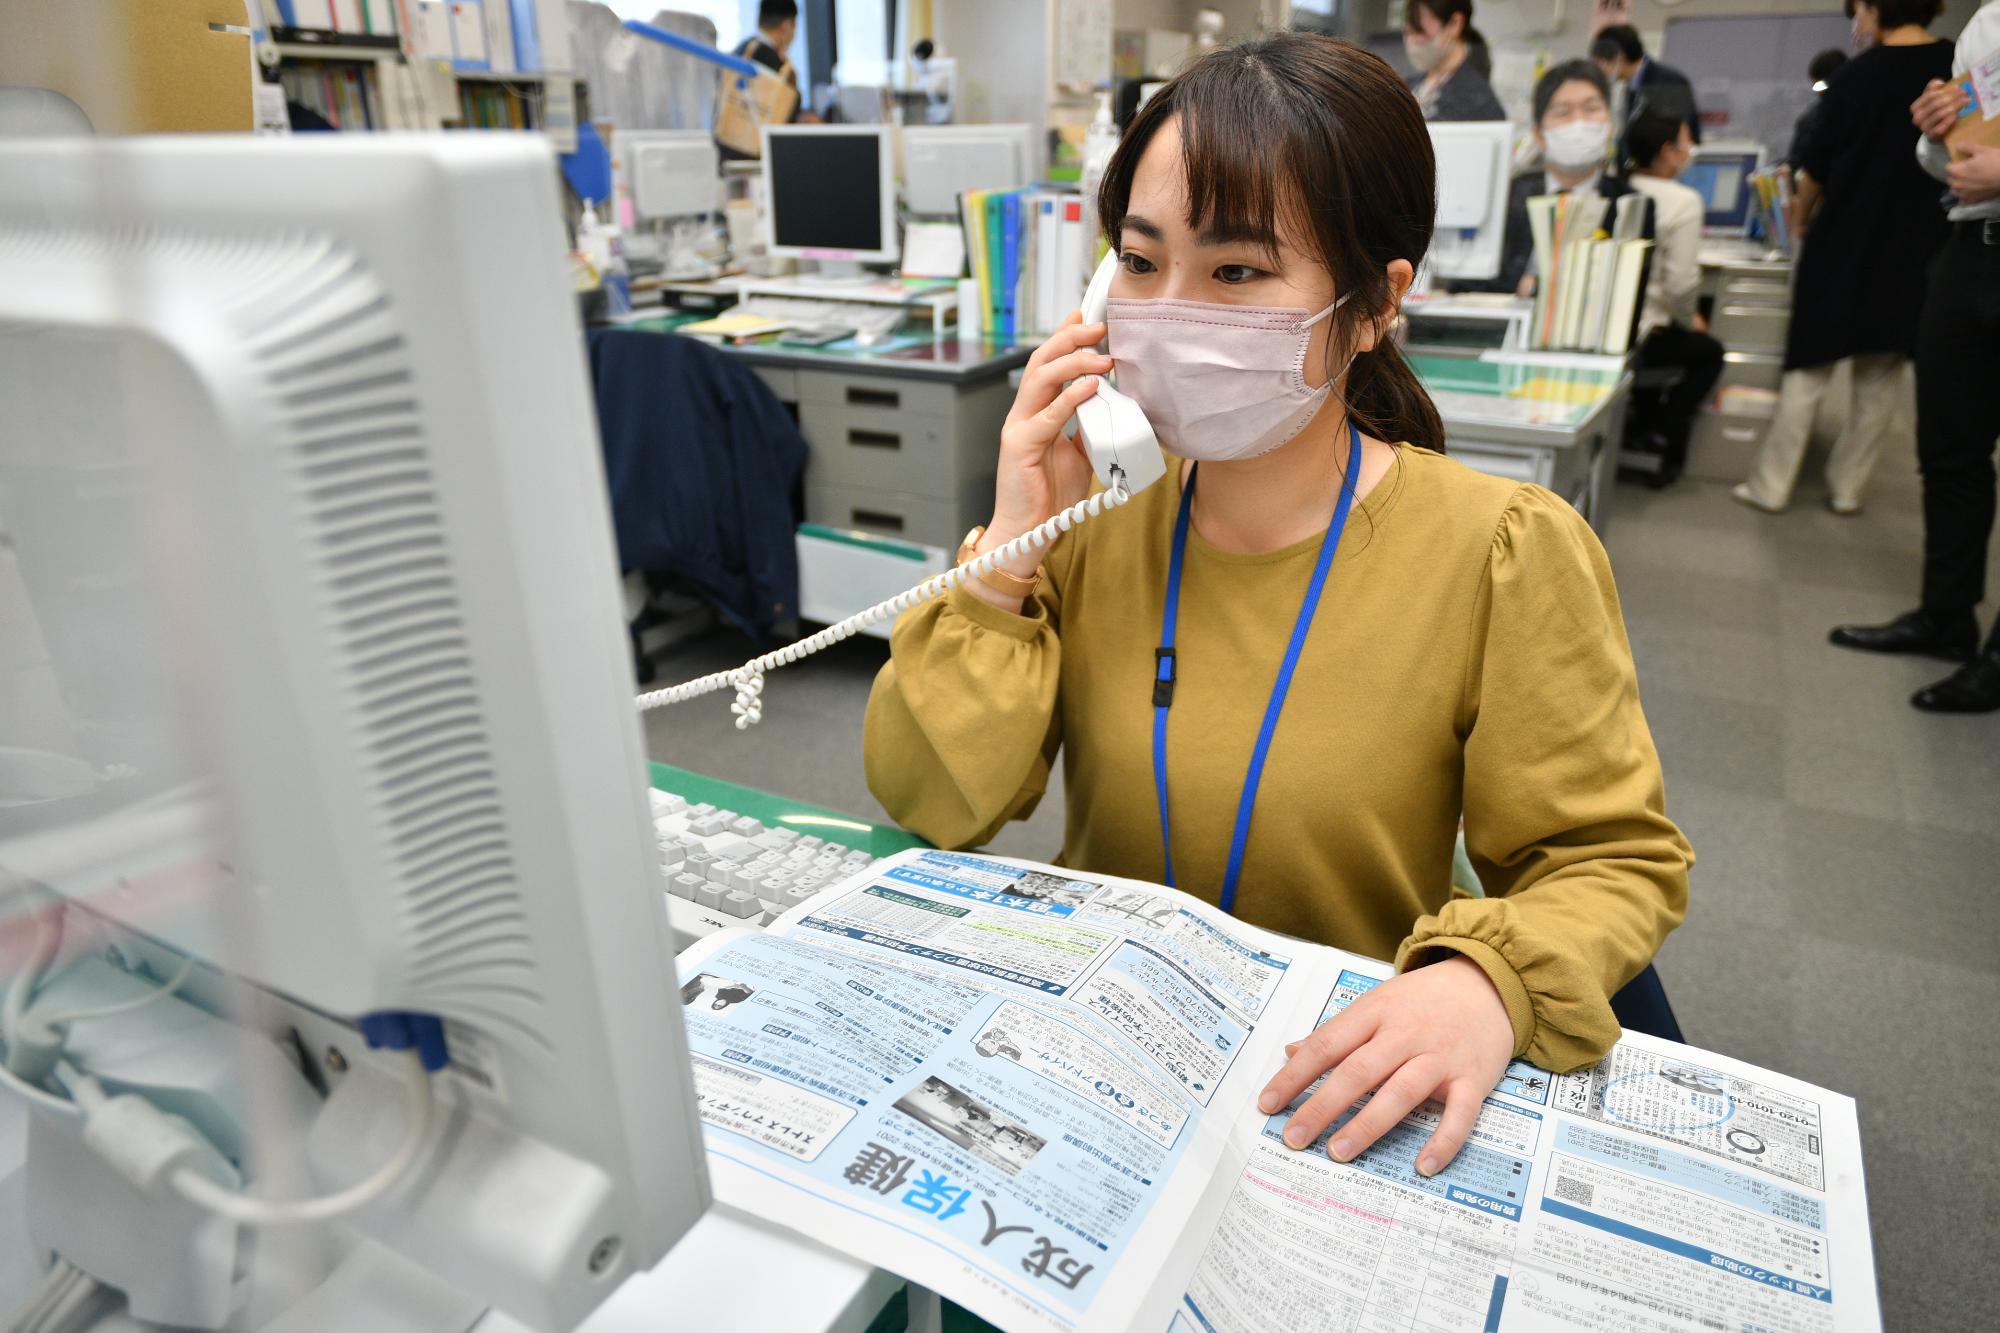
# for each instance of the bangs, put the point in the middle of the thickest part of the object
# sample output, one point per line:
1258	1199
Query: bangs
1238	136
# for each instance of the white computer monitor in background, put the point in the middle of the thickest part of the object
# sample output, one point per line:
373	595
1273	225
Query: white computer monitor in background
671	173
1722	174
1472	187
298	437
830	193
941	162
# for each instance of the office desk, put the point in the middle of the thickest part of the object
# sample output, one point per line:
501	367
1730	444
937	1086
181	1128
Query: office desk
1476	321
904	433
1548	418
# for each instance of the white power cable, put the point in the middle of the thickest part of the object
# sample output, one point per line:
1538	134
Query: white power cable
64	1310
48	938
159	992
40	1096
56	1284
249	1210
748	679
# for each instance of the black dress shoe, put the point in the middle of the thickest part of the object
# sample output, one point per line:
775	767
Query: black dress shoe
1955	639
1973	688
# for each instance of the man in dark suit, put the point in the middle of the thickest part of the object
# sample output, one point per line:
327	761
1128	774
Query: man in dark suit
1638	81
1573	132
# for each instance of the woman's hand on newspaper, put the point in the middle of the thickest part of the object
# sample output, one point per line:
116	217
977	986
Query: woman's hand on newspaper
1440	1031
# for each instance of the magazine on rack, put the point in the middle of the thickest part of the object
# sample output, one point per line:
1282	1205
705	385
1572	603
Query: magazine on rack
1034	1091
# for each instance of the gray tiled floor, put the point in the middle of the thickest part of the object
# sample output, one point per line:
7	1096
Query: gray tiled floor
1843	926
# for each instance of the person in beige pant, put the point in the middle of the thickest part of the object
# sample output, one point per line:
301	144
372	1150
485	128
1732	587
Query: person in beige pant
1868	222
1878	393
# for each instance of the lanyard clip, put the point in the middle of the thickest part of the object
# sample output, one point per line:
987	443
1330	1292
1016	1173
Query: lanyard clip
1163	677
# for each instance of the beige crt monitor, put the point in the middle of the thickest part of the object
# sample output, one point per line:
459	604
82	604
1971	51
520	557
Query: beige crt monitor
299	463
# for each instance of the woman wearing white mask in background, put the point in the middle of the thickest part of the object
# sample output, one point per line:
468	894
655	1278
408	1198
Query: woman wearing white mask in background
1573	131
1277	676
1452	61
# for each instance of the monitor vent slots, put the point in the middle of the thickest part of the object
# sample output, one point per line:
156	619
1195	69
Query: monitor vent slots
369	514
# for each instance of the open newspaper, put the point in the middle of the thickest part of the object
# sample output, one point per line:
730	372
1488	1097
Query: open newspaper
1034	1092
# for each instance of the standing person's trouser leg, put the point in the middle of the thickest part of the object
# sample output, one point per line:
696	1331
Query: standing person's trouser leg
1878	396
1958	418
1777	464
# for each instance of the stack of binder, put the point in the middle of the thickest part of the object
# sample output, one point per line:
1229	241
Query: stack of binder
1026	251
1594	261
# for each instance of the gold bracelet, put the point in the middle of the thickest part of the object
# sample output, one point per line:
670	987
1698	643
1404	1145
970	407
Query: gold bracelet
999	580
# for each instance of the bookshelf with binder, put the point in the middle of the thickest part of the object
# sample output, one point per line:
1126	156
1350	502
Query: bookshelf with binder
1026	251
1594	262
426	64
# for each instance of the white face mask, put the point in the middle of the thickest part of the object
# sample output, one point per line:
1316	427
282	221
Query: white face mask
1217	381
1578	146
1425	53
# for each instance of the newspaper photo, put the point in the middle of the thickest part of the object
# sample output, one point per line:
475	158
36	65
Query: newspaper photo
1034	1092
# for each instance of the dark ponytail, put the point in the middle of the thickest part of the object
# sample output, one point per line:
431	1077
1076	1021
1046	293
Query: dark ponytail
1389	402
1477	53
1325	135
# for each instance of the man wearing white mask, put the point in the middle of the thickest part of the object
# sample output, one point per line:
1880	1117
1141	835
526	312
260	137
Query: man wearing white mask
1573	131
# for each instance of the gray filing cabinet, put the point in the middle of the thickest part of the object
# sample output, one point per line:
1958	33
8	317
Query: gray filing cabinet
894	453
1751	313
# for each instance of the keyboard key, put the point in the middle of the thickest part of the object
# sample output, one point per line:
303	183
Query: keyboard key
710	825
697	811
742	903
666	803
797	894
672	855
743	826
698	862
719	871
685	886
732	848
785	837
812	844
858	858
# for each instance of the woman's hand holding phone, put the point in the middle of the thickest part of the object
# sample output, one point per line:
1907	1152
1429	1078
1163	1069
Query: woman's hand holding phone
1041	473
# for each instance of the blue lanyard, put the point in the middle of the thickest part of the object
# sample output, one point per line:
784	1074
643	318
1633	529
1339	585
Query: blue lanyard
1164	670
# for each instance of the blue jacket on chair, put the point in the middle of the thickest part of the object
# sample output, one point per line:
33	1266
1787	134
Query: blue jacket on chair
703	462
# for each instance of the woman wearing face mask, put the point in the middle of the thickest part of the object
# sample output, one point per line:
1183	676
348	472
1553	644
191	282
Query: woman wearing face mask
1452	61
1573	131
1277	676
1868	223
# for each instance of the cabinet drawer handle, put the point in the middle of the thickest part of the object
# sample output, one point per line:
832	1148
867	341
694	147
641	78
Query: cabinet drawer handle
875	518
874	439
860	397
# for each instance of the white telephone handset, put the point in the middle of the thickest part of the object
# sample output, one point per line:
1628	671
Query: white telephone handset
1122	451
1115	430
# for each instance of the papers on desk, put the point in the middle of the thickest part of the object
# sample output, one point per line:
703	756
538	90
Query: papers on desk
1033	1092
933	250
733	325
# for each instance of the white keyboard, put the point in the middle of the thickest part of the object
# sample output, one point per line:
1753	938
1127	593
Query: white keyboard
805	312
725	869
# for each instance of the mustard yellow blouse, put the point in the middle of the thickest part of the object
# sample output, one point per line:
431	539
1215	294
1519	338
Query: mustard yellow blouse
1468	655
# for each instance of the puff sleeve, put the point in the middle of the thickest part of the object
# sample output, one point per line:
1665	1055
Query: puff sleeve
1565	808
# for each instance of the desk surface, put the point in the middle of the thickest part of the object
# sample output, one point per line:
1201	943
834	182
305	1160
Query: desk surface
1723	252
1534	398
915	355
